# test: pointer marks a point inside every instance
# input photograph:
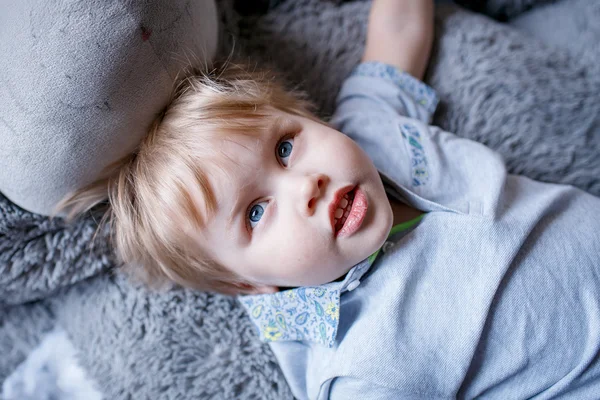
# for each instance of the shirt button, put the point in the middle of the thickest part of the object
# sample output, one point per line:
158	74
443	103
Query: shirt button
353	285
386	246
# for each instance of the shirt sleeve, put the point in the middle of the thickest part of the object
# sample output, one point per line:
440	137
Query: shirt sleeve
343	388
379	86
387	112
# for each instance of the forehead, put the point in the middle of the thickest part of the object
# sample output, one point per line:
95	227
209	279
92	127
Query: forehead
240	150
239	154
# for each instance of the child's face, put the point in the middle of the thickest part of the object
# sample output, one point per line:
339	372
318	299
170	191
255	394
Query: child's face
281	231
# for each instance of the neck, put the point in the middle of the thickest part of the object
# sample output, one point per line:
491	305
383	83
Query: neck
403	212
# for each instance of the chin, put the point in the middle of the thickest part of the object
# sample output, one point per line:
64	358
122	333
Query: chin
383	233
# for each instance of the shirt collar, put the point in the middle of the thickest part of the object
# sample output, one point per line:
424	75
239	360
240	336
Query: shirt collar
305	313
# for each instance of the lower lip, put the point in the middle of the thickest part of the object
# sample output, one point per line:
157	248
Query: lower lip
356	216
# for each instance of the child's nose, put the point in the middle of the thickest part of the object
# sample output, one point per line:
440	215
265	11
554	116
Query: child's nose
313	189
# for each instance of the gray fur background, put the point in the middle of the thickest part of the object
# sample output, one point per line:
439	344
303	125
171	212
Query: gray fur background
529	89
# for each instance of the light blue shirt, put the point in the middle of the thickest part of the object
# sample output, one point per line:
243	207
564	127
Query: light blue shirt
494	294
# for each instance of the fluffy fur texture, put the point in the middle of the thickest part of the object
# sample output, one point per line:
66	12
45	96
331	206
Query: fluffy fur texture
536	103
51	372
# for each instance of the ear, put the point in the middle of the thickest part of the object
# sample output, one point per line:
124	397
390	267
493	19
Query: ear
257	289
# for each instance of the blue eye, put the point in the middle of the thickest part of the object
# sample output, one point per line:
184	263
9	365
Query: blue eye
284	150
256	212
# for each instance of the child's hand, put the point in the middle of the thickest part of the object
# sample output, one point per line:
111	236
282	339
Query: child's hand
400	33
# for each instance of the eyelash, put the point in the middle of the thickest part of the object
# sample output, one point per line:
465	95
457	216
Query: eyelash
284	138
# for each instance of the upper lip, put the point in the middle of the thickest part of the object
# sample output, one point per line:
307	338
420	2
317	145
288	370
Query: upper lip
339	194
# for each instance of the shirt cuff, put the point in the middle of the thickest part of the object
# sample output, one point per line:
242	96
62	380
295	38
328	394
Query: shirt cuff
421	93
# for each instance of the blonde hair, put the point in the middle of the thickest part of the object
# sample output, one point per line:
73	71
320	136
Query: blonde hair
150	208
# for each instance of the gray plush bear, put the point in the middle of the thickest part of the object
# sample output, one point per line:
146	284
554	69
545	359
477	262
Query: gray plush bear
81	82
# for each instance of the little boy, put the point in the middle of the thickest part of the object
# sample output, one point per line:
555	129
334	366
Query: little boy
415	266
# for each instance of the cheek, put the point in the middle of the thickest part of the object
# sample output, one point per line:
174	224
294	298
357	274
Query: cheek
291	252
349	155
298	246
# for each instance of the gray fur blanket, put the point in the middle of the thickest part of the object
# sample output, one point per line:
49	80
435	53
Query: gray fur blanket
525	88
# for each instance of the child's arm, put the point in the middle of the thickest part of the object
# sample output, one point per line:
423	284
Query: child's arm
400	33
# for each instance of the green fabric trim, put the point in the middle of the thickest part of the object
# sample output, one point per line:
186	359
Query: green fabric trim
405	225
373	256
398	228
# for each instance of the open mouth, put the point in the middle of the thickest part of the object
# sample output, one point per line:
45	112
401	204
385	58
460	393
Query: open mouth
343	210
349	213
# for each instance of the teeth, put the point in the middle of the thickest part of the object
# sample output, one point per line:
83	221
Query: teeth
342	212
340	222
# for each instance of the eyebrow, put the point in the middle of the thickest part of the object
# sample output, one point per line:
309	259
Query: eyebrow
272	132
237	205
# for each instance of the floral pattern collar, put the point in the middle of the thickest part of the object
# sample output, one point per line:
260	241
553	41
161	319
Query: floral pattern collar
309	312
305	313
